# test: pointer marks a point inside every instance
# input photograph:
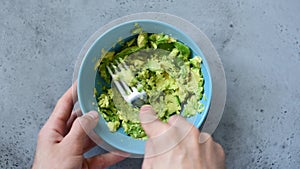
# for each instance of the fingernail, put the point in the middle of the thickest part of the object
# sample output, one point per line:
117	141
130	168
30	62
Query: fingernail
147	114
204	137
146	108
93	114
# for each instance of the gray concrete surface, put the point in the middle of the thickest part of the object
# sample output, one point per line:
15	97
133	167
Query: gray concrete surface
258	42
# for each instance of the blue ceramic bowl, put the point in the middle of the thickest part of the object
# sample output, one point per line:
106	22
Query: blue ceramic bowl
88	76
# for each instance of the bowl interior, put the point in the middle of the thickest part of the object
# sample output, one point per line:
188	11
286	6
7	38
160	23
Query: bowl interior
88	78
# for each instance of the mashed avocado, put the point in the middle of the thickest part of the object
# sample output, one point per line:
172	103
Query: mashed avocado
164	68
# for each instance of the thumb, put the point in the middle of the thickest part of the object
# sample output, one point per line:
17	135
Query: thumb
150	123
82	126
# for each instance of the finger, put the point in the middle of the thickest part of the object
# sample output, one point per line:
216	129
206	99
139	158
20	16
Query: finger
80	130
204	137
152	126
65	104
62	111
182	126
184	130
72	118
221	155
177	120
92	140
103	160
89	144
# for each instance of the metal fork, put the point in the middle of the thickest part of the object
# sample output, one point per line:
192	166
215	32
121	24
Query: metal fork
131	95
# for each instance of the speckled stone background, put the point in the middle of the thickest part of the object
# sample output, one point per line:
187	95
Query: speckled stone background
258	42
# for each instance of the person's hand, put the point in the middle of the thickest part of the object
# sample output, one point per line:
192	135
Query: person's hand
64	139
178	144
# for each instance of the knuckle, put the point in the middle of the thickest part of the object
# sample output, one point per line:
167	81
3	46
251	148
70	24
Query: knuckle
205	138
195	132
172	129
42	133
220	151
